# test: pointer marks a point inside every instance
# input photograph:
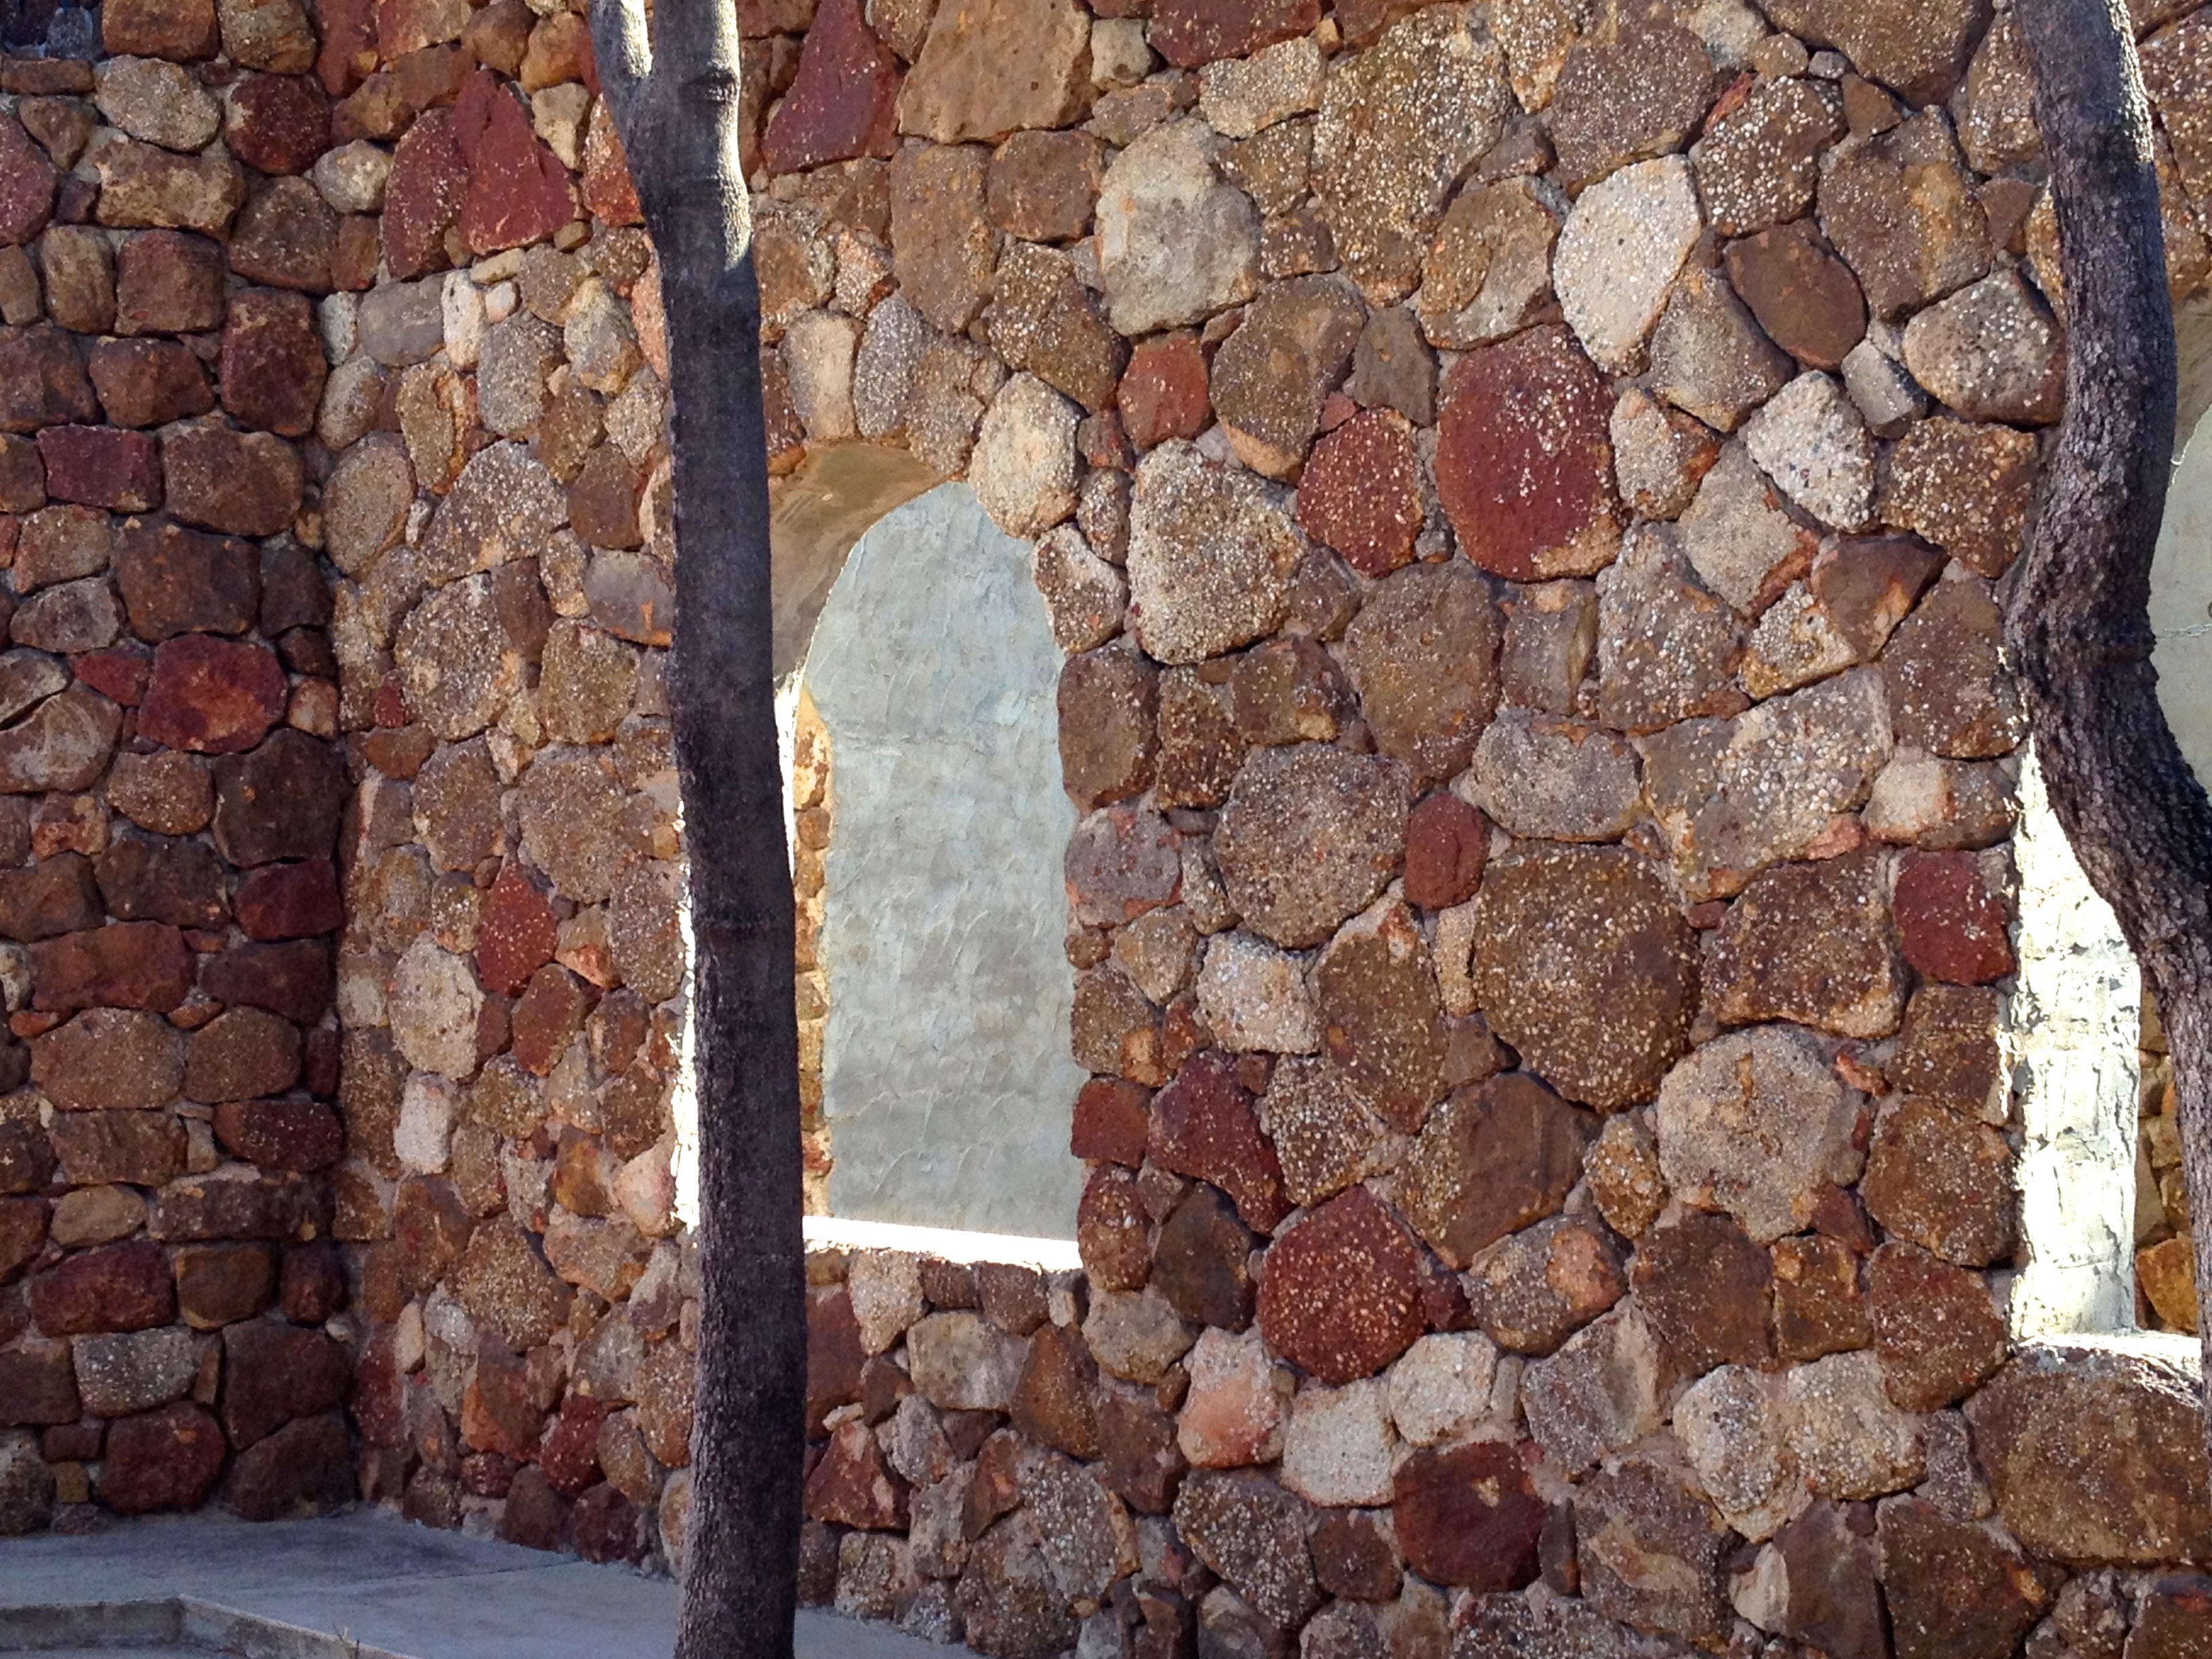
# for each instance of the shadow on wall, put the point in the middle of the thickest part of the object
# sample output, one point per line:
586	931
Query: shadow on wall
913	628
2181	575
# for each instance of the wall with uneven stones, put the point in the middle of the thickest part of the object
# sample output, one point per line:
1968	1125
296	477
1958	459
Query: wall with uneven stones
1524	491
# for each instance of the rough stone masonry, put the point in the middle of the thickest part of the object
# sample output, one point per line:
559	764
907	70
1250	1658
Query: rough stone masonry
1525	491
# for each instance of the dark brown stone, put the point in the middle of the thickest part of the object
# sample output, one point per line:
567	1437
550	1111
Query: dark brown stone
1819	1308
54	896
1530	1292
1043	185
242	483
1471	1517
1810	943
161	1460
280	1134
1383	1021
1901	209
280	801
1955	1589
1200	747
1201	1261
1341	1297
1942	1182
1804	297
1524	458
286	237
1111	1225
1635	85
1948	1052
1705	1290
304	1468
37	1385
116	1287
1491	1160
1108	701
22	1234
1042	318
27	1158
292	979
1055	1401
176	581
1271	377
178	882
1138	1459
219	1284
1355	1555
142	1148
290	901
1834	1591
1447	843
148	382
1937	1331
1920	51
1191	34
183	31
272	362
42	381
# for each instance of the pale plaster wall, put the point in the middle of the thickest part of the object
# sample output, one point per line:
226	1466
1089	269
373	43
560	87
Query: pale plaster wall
946	1072
2181	573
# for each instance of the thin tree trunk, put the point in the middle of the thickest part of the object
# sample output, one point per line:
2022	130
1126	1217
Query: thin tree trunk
2079	623
678	124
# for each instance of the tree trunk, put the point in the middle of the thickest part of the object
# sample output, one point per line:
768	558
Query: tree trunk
678	124
2079	622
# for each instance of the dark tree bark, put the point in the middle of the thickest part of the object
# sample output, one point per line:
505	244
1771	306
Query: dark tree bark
675	104
2079	622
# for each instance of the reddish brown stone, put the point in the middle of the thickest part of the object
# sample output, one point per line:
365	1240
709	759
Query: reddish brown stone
1361	494
843	101
180	882
1355	1555
1111	1229
183	31
1941	1182
148	382
1164	390
272	363
1951	926
1203	1125
167	281
212	696
1937	1331
277	123
42	383
1524	458
516	934
219	1284
1111	1122
1447	843
550	1012
1705	1289
312	1287
1138	1459
1949	1053
423	196
139	1148
1471	1517
243	483
117	1287
102	467
851	1487
603	499
26	184
1342	1293
608	192
22	475
290	901
518	192
1804	297
1055	1401
1491	1160
274	1373
1108	701
22	1234
54	896
498	1413
26	1158
1190	34
37	1384
176	581
1532	1291
125	965
432	1228
161	1460
1044	186
834	1354
291	979
1955	1589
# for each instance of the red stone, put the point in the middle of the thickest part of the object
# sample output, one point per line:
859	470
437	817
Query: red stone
279	123
518	192
292	979
1190	34
608	189
119	675
1447	843
1111	1122
212	696
1361	491
1164	390
423	196
125	965
167	281
26	184
569	1452
117	1287
843	103
1203	1125
301	1135
497	1412
349	49
102	467
1949	924
851	1487
517	933
1471	1517
148	382
1341	1297
1524	458
550	1012
290	901
272	364
161	1460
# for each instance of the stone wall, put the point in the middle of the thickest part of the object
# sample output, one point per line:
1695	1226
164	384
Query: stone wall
1525	493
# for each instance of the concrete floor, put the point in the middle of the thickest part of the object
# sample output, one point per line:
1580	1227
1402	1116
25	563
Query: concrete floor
302	1589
